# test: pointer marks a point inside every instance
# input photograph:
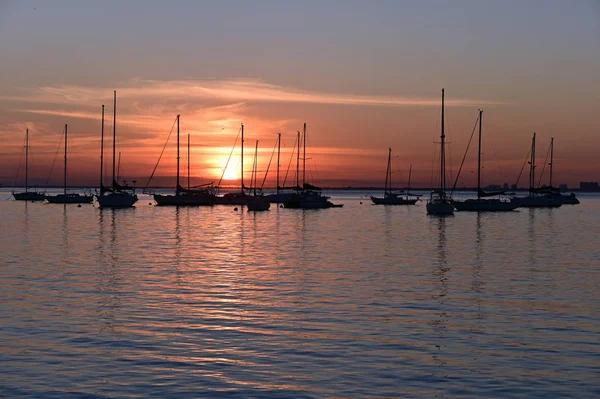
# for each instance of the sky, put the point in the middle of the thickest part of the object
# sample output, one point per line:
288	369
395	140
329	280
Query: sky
364	77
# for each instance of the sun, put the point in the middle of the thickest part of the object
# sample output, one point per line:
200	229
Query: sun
230	174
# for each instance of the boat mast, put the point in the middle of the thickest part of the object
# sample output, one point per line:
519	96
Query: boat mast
177	187
551	158
114	138
532	166
65	171
242	160
102	155
409	176
443	155
388	175
254	168
304	157
298	163
479	159
278	156
26	160
188	161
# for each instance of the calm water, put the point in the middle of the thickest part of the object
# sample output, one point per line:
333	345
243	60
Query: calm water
362	301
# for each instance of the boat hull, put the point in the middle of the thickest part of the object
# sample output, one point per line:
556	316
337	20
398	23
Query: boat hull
117	200
393	201
29	196
566	199
70	199
184	200
485	205
232	199
258	204
536	202
310	201
278	198
440	208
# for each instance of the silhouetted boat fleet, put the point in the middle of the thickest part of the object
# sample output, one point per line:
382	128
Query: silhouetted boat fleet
302	195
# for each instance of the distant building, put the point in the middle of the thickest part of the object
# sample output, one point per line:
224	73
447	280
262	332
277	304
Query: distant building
505	186
513	186
589	186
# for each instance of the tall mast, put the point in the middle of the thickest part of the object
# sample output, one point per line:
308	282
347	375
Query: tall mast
479	159
388	175
26	160
188	161
298	163
304	157
102	155
409	176
254	167
242	160
177	187
278	155
443	154
551	158
532	167
114	138
65	171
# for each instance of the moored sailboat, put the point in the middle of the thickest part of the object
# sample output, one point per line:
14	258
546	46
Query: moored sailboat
308	196
257	202
481	203
391	197
554	192
235	197
28	195
280	195
439	202
116	196
196	197
65	197
535	199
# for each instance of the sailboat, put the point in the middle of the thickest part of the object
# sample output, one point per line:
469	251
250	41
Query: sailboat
279	196
28	195
239	197
482	203
116	196
257	202
552	191
197	196
394	198
535	199
68	198
439	202
308	196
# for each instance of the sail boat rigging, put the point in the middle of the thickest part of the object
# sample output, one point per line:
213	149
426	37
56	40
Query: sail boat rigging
257	202
481	203
535	199
117	196
68	198
203	196
439	202
308	196
552	191
28	195
240	197
390	197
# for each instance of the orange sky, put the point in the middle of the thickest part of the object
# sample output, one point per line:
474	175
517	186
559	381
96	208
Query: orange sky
361	87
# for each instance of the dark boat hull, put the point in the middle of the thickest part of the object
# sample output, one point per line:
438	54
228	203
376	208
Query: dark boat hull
70	199
393	201
29	196
232	199
117	200
536	202
184	200
485	205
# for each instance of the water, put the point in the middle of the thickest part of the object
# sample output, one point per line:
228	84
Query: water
361	301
